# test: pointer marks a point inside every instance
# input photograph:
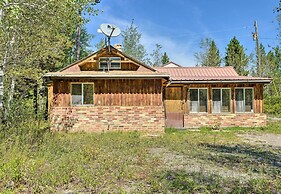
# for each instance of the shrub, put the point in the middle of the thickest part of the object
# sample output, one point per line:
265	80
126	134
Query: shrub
272	105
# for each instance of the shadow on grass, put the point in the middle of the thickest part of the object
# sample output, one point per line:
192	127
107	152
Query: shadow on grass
180	181
244	155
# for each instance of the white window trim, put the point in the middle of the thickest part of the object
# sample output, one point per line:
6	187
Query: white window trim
110	65
221	100
82	83
198	99
253	98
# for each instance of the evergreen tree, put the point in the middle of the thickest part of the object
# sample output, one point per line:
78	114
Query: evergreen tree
165	59
209	54
236	57
131	43
263	57
214	58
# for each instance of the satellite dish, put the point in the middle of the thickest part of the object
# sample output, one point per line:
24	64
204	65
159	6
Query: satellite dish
99	31
110	30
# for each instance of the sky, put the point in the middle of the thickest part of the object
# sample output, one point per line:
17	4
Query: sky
179	25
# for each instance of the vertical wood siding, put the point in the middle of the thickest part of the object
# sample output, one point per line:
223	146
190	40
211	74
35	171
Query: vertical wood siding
115	92
169	93
128	92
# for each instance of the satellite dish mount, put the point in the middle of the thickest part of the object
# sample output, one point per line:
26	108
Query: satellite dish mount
109	30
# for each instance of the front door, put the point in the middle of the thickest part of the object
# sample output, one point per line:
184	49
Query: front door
174	107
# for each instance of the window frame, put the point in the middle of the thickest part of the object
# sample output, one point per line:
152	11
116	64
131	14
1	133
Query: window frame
244	99
221	100
198	100
105	59
82	87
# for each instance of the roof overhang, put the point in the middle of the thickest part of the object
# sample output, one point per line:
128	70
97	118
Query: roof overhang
264	81
106	76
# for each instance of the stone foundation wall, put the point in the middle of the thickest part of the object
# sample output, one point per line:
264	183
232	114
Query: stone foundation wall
108	118
225	120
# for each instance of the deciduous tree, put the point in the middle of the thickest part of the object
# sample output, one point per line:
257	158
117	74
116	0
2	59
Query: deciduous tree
131	42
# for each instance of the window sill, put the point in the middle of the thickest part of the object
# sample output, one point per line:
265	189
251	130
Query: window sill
81	105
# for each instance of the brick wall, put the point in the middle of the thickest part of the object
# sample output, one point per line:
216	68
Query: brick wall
224	120
108	118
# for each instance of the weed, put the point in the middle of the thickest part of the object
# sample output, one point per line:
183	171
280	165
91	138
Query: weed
35	160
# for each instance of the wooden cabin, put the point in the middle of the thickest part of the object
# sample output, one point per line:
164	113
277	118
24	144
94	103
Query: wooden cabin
212	96
109	90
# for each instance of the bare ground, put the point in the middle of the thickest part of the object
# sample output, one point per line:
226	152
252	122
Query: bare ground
177	161
265	139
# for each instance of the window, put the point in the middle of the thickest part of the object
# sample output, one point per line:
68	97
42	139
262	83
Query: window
221	100
198	100
244	99
115	62
82	93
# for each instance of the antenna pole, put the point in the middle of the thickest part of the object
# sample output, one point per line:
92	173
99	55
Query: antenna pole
256	38
113	28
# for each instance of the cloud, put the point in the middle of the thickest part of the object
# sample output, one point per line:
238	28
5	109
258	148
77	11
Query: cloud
178	45
179	52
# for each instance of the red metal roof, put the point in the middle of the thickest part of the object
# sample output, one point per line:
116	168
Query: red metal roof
200	74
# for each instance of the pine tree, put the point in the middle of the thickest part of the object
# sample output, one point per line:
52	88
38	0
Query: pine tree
236	57
263	57
214	58
131	43
165	58
209	54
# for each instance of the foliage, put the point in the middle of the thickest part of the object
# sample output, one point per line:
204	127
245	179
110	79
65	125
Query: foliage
131	42
36	36
34	160
156	54
165	58
236	57
100	44
272	105
84	45
209	54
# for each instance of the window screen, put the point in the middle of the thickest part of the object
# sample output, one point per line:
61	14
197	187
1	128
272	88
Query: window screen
198	100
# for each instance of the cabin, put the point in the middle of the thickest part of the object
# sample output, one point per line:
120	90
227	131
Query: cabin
212	96
109	90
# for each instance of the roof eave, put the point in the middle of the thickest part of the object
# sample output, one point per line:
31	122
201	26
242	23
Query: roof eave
106	76
265	81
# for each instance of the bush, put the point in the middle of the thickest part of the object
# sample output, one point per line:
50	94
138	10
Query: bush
272	105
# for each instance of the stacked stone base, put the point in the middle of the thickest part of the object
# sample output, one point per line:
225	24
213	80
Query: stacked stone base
108	118
225	120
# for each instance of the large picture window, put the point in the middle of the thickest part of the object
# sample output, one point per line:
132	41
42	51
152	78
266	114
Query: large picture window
244	98
221	100
82	93
198	100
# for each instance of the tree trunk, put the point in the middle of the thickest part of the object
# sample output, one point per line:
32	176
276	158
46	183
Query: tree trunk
11	94
78	37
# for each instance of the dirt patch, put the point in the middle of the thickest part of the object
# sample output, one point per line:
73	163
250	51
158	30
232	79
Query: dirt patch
177	161
266	139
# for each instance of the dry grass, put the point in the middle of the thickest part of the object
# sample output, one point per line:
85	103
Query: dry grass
175	162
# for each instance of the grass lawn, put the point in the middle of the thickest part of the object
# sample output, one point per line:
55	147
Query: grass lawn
204	161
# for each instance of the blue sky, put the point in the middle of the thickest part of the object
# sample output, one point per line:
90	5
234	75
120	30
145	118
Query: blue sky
179	25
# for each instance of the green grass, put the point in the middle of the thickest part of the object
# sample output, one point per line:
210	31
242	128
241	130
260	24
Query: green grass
34	160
